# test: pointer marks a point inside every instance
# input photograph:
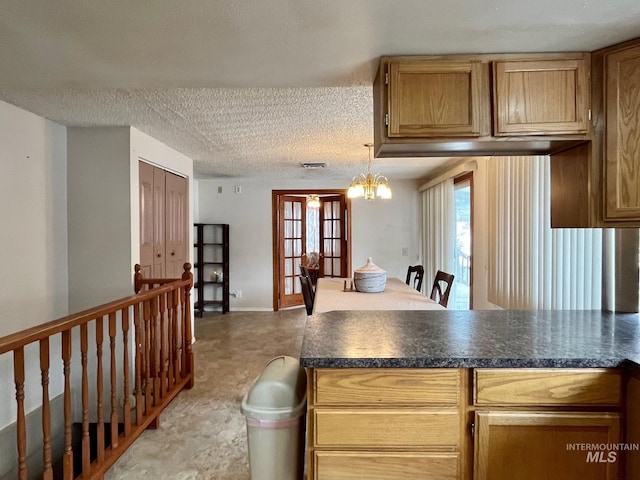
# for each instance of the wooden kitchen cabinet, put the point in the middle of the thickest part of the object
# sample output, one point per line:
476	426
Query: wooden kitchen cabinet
438	99
379	423
470	424
541	97
442	105
529	420
632	426
598	184
521	444
547	387
622	132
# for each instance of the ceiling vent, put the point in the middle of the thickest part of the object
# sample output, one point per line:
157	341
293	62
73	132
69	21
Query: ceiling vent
312	165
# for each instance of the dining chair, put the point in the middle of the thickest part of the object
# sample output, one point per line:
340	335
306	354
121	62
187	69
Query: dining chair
418	273
304	271
307	293
441	288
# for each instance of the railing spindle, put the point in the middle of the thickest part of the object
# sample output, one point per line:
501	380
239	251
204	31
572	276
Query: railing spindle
18	376
147	354
155	351
114	385
172	339
67	460
163	319
126	408
86	440
47	473
138	361
100	388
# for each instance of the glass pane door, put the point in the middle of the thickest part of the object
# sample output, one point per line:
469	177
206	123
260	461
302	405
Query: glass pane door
292	226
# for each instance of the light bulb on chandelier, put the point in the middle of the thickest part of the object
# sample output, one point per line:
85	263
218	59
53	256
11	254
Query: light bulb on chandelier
313	201
369	186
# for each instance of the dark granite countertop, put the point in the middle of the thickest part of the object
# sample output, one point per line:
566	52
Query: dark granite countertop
468	339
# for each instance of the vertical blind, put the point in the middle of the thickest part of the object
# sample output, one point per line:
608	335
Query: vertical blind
530	265
438	233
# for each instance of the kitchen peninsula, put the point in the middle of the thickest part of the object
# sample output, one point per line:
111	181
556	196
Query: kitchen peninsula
472	394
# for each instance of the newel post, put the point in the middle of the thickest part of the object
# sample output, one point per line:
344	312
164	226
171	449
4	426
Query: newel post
137	278
188	275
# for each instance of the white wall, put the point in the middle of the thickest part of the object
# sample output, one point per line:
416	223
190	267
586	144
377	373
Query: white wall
104	229
33	239
480	254
381	229
99	213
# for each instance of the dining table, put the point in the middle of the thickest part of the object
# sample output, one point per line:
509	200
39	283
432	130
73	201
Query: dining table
336	294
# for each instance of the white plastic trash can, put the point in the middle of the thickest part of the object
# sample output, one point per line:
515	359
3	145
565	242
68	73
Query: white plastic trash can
275	407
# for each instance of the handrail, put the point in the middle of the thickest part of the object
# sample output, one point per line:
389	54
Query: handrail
153	327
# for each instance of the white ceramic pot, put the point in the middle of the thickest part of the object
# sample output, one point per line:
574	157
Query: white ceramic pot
369	278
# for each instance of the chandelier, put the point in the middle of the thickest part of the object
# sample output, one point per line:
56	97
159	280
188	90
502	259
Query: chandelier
369	186
313	201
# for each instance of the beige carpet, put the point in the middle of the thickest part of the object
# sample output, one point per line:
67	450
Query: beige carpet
202	434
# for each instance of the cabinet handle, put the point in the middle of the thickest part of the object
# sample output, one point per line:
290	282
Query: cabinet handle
159	255
173	253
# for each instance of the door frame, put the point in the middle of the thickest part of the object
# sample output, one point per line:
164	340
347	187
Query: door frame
275	213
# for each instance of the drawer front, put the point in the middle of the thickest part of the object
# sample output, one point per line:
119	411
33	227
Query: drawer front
379	386
384	466
547	387
386	428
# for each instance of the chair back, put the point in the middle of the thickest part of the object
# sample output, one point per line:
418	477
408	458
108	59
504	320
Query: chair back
304	271
442	288
418	273
307	293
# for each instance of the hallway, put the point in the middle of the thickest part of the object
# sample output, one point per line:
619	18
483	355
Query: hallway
202	434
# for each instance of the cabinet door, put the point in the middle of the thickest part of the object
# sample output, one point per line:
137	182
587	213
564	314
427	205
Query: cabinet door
523	445
632	430
541	97
438	99
622	134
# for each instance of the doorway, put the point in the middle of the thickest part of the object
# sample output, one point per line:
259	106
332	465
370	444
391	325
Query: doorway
302	232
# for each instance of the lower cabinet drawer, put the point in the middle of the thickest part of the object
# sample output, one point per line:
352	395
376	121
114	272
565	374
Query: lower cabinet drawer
385	466
539	386
386	428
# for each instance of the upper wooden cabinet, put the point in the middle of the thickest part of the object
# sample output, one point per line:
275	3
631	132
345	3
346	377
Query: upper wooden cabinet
598	184
438	98
541	97
442	105
622	133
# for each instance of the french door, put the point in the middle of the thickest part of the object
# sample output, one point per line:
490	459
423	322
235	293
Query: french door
292	213
333	240
329	225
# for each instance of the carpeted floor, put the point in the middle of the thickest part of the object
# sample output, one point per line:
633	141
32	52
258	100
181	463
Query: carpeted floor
202	434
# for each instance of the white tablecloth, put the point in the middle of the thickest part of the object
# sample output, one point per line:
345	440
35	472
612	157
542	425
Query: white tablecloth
397	295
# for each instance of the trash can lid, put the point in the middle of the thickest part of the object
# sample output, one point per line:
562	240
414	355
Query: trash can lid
279	392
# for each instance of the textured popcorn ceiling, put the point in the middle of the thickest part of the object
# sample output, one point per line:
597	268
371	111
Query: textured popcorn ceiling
253	88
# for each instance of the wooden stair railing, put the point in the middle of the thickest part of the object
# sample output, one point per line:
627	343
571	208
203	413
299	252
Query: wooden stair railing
153	327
